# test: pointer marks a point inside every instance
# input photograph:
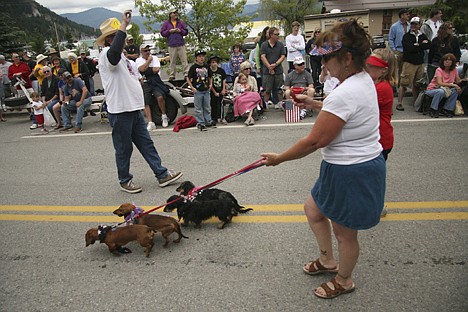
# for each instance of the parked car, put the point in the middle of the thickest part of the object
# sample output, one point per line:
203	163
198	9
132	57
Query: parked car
248	46
163	57
378	42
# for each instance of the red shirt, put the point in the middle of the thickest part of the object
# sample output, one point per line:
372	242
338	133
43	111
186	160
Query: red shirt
385	98
22	68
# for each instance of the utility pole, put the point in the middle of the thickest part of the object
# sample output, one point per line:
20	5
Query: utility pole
56	34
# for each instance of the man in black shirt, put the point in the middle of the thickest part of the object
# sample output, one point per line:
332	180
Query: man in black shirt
414	43
92	70
132	50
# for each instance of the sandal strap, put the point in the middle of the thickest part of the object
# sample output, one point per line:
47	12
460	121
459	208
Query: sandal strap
319	266
316	266
332	292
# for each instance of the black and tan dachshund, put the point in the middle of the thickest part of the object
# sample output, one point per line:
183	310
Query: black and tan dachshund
209	194
198	211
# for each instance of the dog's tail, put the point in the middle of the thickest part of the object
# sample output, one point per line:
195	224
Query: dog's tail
238	207
245	210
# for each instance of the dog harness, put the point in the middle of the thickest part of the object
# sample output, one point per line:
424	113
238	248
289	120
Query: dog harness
134	215
102	232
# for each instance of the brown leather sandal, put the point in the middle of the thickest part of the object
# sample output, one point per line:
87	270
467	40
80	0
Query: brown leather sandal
315	267
332	293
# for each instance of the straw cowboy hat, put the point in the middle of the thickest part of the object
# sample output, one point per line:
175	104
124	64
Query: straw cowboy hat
52	51
40	58
108	27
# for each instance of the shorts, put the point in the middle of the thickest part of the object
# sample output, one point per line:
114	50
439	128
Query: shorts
271	82
149	92
411	74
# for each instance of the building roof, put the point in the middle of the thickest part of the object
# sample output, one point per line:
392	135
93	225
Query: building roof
337	14
351	5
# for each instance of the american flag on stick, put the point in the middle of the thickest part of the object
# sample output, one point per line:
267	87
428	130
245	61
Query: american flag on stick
292	112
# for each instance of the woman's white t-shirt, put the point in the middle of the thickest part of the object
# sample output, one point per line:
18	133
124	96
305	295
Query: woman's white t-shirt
355	102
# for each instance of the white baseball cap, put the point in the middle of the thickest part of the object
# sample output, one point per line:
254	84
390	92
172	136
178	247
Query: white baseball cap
298	60
415	20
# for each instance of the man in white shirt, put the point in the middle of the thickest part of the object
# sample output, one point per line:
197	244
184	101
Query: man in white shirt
295	44
124	98
149	67
430	28
432	24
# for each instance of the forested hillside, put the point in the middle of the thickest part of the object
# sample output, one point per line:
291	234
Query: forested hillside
27	23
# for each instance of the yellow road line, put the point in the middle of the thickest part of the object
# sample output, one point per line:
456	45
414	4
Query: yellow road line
287	207
238	219
429	204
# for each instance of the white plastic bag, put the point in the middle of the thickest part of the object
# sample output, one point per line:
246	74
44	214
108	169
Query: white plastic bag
49	120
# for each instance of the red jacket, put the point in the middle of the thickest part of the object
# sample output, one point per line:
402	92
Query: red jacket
184	122
22	68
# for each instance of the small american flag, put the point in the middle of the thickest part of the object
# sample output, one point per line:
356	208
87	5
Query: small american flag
292	112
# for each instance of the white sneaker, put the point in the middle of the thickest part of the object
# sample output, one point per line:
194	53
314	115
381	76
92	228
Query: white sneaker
165	121
33	126
151	126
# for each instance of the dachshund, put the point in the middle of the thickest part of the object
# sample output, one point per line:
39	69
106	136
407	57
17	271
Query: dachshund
209	194
120	236
197	211
164	224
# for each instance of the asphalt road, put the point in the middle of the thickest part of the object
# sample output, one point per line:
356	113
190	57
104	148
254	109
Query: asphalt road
55	187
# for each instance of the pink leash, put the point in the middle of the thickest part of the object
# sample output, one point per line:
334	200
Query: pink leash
193	192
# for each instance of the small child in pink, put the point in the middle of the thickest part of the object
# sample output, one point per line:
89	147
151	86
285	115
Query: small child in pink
38	107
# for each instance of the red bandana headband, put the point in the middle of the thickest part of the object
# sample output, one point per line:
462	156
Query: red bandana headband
375	61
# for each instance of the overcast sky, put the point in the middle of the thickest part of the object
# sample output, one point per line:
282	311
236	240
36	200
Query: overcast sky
75	6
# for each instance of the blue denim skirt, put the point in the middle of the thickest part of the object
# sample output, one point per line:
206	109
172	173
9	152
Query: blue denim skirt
351	195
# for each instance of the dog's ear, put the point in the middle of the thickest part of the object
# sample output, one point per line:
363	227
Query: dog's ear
124	209
90	237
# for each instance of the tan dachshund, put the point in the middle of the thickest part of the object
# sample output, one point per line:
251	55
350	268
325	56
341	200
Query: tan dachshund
120	236
164	224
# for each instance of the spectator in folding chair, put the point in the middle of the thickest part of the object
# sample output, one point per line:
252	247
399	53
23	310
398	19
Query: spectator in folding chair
444	85
246	96
299	78
77	99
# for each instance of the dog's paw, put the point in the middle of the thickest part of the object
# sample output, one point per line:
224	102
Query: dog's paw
124	250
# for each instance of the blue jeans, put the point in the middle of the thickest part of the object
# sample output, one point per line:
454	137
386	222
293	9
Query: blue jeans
128	128
437	96
71	107
201	101
91	86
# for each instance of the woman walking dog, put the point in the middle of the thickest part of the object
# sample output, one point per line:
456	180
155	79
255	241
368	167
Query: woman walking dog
351	187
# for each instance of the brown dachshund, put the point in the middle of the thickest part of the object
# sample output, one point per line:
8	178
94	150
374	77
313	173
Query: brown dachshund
120	236
164	224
